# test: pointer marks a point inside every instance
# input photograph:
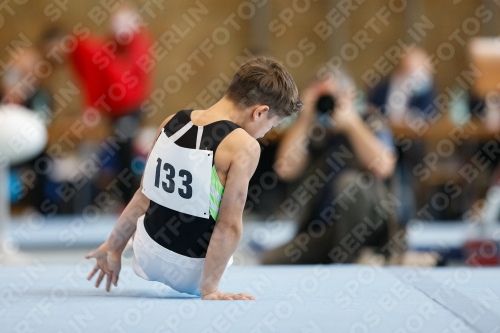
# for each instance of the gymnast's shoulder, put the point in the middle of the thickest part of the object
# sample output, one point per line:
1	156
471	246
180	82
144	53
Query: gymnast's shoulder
242	146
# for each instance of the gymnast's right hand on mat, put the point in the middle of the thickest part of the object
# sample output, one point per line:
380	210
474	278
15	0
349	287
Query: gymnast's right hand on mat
220	295
109	262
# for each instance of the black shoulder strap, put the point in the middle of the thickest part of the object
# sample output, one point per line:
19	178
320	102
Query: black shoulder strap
178	121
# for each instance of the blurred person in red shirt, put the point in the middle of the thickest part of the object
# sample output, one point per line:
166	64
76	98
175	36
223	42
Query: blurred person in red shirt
110	69
113	81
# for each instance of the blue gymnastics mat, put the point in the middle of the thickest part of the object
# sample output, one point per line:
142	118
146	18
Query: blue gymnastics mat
322	298
65	232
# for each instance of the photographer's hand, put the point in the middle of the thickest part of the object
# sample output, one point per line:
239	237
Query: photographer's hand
371	152
292	155
308	113
345	118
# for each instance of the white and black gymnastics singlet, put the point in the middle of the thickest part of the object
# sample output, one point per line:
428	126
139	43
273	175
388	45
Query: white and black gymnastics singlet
181	232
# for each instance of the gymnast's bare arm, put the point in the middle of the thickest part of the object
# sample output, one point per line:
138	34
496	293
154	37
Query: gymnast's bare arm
245	152
108	255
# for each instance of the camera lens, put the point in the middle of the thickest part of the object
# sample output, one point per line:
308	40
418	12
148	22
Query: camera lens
325	104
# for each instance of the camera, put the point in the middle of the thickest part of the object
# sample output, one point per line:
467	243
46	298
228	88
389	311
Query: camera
325	104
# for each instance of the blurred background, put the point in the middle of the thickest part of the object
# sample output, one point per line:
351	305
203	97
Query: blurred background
100	76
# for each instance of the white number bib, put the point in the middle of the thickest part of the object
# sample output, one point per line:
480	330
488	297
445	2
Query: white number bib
179	178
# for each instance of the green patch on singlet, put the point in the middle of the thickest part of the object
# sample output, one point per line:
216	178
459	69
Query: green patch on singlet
216	192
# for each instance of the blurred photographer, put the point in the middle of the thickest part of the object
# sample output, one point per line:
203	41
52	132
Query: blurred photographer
338	162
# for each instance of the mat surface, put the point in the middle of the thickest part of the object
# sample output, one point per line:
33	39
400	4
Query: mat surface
331	298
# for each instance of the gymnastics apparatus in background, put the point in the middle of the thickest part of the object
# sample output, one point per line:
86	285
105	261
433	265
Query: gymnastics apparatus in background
23	136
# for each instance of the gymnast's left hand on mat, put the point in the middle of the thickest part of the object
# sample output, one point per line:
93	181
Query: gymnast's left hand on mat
221	295
109	264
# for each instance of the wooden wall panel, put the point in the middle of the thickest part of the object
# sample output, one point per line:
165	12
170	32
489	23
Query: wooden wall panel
293	40
383	23
298	39
449	15
31	21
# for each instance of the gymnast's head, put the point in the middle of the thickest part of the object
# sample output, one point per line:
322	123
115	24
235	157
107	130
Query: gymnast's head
266	92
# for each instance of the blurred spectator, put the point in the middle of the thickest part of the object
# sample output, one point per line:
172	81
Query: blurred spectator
484	99
408	89
114	80
341	161
20	85
406	93
484	106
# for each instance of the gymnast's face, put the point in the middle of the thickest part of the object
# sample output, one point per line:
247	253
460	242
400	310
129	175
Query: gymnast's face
261	122
269	124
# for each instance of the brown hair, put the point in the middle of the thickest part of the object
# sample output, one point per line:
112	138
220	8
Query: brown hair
263	80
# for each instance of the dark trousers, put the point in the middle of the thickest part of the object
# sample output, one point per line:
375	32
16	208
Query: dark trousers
128	126
349	215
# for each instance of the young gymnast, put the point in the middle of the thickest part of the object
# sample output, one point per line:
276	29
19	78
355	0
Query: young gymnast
187	214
